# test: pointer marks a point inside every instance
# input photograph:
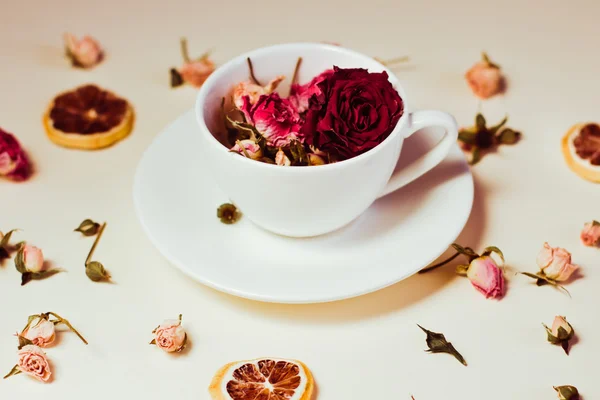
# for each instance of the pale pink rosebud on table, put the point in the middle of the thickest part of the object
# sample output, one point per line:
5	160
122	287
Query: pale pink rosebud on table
170	336
253	91
555	263
248	148
486	276
590	235
33	362
33	258
41	333
85	52
560	333
485	78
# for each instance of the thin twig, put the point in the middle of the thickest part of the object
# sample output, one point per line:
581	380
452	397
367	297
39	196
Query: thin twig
87	260
184	50
68	324
393	61
251	68
439	264
296	69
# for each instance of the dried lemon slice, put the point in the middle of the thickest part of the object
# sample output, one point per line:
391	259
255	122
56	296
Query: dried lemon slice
581	150
88	118
262	379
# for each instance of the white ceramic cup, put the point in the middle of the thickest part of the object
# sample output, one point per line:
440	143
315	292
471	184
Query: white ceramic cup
305	201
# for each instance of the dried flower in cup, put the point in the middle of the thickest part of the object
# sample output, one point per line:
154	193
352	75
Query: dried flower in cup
484	271
33	362
477	139
170	336
40	330
560	333
485	78
555	266
193	71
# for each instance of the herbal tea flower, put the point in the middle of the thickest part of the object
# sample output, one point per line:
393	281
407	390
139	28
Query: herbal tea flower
33	362
484	271
253	91
170	336
194	72
14	163
29	261
248	148
567	392
480	138
275	118
85	52
40	330
356	111
590	235
301	94
485	78
228	213
555	263
282	159
560	333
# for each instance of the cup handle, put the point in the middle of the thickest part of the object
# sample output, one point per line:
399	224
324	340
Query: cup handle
419	120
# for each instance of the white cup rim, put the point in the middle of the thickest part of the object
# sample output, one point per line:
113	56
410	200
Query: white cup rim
224	69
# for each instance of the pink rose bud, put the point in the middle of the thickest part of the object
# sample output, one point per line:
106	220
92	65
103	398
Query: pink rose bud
170	336
248	149
301	94
40	333
84	53
590	235
555	263
561	323
33	258
14	163
33	361
486	276
282	159
275	118
196	72
253	91
485	79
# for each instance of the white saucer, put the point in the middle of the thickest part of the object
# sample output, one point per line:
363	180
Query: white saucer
176	203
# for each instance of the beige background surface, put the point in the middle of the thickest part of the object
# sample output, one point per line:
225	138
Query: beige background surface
363	348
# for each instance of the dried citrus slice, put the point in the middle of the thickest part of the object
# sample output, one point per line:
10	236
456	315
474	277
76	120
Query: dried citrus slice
262	379
581	150
88	118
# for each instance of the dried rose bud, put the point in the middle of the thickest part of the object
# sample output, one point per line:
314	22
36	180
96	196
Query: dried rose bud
282	159
253	91
29	259
228	213
40	333
96	272
555	263
567	392
590	235
14	163
85	52
485	78
33	362
248	148
486	276
194	72
170	336
560	333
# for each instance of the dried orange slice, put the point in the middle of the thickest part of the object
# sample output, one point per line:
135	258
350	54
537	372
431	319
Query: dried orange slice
88	118
581	150
262	379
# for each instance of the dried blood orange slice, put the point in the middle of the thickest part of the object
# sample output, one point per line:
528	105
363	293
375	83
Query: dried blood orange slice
262	379
88	117
581	150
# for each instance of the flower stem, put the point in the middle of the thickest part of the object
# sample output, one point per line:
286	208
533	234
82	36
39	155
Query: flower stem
296	69
251	68
242	148
184	50
68	324
87	260
439	264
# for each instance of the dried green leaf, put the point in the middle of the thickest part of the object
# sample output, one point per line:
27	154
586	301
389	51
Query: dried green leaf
480	122
30	319
3	254
26	277
88	227
96	272
487	60
14	371
23	341
153	341
567	392
467	136
467	251
462	269
437	343
6	238
541	280
595	223
509	136
550	337
499	125
228	213
20	261
493	249
176	78
475	156
29	276
565	346
298	153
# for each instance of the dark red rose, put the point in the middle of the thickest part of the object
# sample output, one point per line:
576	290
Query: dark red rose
355	111
275	118
14	163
